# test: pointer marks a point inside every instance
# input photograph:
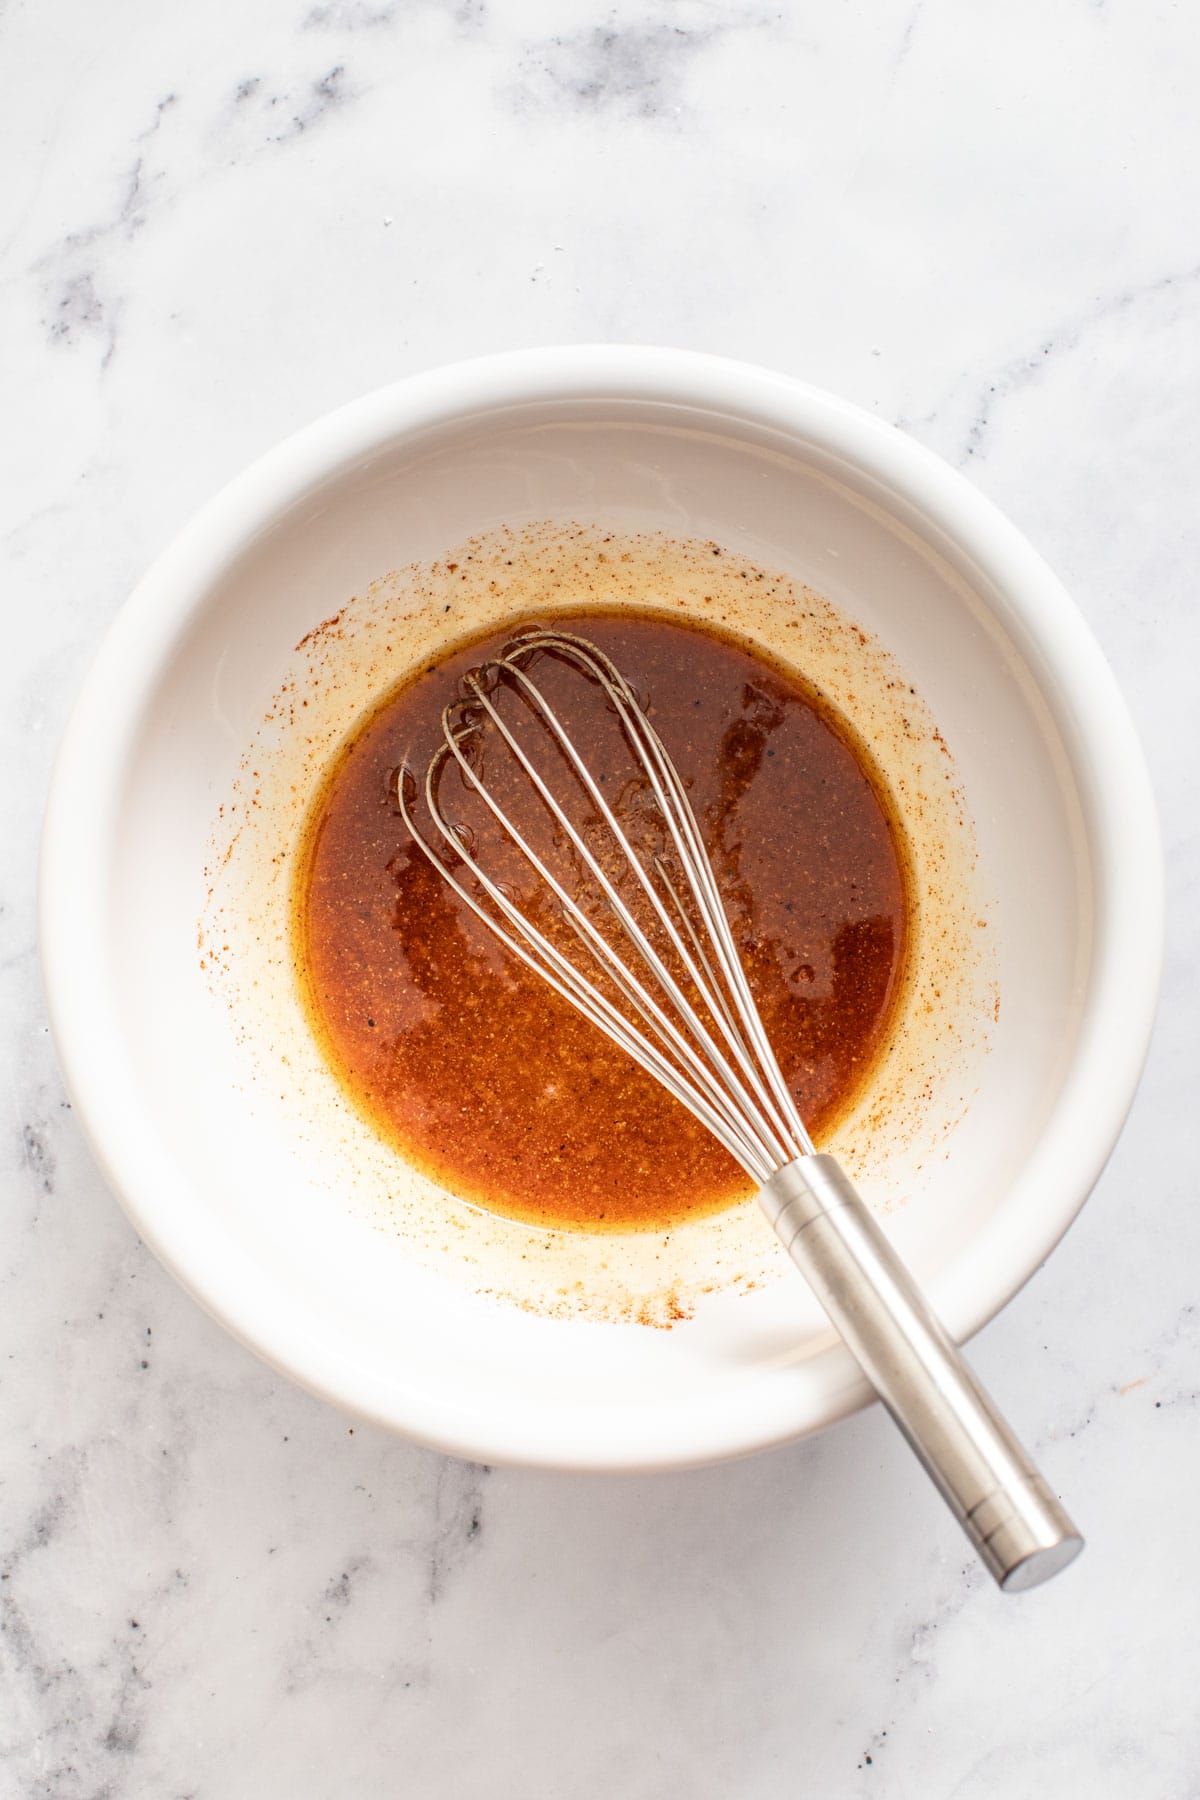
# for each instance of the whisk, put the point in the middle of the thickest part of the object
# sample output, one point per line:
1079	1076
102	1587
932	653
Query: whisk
635	935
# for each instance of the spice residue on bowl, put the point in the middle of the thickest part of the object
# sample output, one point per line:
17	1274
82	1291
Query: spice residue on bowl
471	1066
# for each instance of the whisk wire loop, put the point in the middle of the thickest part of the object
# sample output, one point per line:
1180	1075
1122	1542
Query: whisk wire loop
762	1121
745	1129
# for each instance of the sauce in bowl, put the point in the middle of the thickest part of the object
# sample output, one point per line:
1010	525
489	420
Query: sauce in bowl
491	1083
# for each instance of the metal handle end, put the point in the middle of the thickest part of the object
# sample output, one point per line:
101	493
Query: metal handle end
1023	1535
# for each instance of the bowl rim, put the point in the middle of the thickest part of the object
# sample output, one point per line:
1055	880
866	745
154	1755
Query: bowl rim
1107	765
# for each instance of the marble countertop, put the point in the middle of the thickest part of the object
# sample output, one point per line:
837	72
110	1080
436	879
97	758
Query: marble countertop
216	223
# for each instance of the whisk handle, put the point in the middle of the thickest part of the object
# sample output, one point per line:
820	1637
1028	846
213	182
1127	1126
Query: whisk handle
1016	1524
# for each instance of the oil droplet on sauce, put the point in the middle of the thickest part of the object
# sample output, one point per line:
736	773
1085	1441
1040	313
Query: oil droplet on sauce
473	1069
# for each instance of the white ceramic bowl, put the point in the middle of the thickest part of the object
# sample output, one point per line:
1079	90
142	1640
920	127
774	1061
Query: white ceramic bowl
251	1221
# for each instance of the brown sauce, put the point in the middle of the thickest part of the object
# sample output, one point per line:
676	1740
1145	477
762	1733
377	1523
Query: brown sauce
480	1075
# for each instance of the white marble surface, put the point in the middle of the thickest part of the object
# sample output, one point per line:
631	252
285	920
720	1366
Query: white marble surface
215	223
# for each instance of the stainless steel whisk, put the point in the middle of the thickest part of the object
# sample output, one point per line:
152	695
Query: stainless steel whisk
665	982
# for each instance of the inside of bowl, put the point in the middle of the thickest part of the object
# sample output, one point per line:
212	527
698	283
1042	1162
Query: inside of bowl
292	1220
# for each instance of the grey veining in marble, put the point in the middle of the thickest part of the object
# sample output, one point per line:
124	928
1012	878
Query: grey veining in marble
216	223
